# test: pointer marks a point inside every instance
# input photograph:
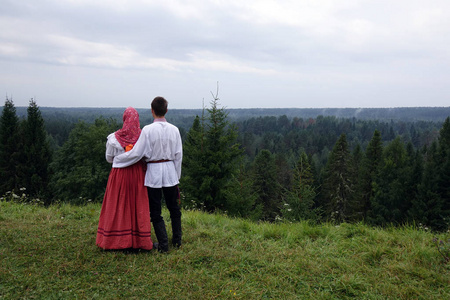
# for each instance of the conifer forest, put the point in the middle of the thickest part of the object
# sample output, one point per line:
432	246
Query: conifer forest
271	165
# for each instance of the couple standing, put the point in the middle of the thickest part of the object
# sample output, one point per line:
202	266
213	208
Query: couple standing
146	165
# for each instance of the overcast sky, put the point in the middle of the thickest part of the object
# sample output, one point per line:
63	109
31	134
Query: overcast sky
262	53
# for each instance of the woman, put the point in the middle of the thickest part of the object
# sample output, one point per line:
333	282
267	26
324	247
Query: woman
125	216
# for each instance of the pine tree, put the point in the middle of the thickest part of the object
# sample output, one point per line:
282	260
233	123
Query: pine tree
9	148
337	186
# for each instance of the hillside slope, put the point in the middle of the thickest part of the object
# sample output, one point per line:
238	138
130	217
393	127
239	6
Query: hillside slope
50	253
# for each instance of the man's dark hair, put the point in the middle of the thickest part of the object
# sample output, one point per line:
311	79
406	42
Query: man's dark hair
159	106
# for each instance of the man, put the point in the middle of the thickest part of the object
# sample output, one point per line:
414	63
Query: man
161	147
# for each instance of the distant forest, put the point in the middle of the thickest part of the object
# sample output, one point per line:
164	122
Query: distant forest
406	114
378	165
183	118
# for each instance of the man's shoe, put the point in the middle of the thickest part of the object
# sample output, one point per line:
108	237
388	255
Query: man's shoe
161	235
176	232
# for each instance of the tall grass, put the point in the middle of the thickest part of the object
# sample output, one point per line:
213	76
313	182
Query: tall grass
50	253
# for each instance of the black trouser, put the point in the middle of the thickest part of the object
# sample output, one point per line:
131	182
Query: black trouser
171	197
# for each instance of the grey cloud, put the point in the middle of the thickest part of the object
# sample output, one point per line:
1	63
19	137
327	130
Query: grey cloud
354	50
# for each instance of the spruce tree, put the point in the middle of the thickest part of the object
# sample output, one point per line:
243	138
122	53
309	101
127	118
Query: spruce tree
427	206
34	171
223	155
194	166
444	135
356	165
79	167
337	186
299	201
432	204
443	180
266	186
420	175
368	172
9	148
390	202
211	159
241	197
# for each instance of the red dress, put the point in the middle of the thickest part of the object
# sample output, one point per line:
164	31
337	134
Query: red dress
125	216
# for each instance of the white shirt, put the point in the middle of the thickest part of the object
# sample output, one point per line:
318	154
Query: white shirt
158	141
113	148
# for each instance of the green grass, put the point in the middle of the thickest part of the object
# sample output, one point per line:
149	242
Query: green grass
50	253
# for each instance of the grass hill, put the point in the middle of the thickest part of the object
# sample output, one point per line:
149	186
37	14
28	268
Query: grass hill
50	253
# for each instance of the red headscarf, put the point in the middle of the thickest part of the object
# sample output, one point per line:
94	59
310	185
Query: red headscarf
131	129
